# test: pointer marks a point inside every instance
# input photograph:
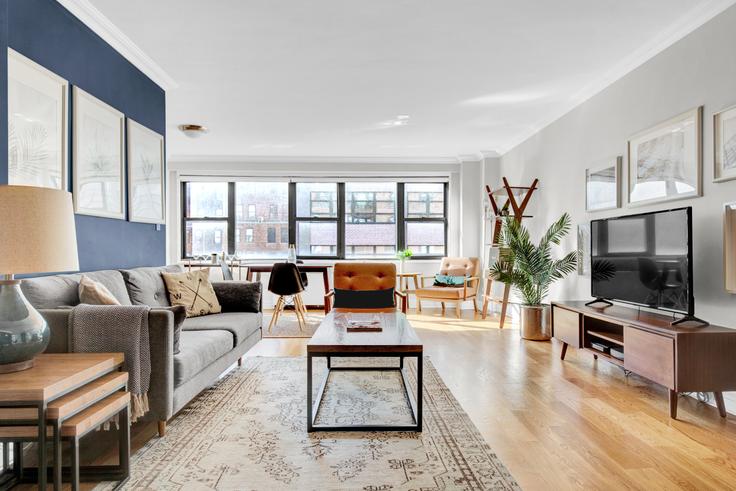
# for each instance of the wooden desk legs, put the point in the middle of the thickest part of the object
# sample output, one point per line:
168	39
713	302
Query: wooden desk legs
564	351
673	404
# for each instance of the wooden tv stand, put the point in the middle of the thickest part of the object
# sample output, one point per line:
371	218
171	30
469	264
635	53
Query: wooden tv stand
681	358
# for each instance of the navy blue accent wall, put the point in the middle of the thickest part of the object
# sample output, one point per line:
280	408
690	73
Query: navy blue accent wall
3	92
47	33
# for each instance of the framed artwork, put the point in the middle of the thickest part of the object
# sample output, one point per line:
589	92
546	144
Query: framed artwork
724	151
601	185
145	174
37	124
665	162
583	249
98	164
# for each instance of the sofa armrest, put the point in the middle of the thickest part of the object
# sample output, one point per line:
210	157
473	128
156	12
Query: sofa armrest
58	321
239	296
161	339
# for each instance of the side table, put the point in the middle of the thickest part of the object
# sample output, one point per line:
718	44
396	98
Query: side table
403	283
64	396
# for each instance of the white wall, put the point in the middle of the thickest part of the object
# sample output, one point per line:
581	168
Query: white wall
698	70
464	205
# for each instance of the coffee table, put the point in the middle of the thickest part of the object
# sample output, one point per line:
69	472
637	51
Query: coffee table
397	340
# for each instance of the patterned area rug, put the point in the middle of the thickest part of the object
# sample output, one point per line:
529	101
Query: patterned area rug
249	433
288	327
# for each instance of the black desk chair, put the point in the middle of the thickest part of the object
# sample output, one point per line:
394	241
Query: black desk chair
286	281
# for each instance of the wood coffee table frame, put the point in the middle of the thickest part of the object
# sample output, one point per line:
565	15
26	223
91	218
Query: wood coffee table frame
398	340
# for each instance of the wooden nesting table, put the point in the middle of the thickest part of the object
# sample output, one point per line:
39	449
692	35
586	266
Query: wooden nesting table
397	340
64	396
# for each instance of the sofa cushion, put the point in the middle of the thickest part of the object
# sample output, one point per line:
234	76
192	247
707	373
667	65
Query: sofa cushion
199	349
48	292
193	290
239	324
94	293
146	285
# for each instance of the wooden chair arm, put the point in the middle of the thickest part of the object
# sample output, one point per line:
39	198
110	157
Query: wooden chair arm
467	282
328	301
424	277
404	300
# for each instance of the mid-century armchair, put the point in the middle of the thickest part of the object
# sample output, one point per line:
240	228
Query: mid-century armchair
365	277
469	268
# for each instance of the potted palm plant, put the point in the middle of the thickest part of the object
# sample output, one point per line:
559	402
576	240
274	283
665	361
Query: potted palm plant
531	269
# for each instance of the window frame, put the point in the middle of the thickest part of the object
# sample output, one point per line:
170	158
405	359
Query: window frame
400	221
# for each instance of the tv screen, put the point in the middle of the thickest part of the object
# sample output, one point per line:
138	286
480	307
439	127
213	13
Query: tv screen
644	259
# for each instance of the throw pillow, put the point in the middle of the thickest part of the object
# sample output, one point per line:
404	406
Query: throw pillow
364	299
194	291
448	280
94	293
180	313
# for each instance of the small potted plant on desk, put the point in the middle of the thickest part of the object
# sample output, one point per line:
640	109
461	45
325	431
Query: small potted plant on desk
403	256
531	269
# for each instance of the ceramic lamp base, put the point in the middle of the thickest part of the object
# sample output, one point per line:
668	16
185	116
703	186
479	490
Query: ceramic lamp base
16	367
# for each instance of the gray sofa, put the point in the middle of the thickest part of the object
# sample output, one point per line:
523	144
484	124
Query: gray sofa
208	344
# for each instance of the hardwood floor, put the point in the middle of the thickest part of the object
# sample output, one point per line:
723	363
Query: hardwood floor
561	425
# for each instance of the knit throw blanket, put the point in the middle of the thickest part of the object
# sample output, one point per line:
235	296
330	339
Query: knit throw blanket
117	329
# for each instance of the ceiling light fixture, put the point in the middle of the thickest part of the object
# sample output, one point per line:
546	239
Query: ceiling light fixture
193	130
400	120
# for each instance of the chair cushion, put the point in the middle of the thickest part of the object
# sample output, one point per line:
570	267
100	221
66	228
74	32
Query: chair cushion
239	324
49	292
199	349
365	276
445	292
364	299
460	266
146	285
194	291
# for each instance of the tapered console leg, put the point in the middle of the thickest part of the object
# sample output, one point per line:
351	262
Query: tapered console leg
564	351
673	404
162	428
720	403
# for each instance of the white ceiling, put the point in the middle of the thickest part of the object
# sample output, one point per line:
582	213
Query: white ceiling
320	77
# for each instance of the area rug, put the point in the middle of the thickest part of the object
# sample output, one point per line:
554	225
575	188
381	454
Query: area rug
249	433
288	327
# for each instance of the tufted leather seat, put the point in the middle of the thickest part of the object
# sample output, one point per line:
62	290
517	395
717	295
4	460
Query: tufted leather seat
454	266
364	276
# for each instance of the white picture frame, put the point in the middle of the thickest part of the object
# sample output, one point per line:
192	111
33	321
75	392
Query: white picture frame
98	176
602	185
724	145
38	111
666	161
146	167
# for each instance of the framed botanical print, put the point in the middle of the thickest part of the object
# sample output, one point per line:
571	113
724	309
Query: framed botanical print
145	174
602	185
724	151
98	163
665	162
37	124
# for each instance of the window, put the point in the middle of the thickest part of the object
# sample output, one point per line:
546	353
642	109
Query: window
370	219
324	219
316	219
425	222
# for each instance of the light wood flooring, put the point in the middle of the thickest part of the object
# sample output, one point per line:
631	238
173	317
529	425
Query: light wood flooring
577	424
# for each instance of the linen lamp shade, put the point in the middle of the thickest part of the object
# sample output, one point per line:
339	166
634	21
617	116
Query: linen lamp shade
37	233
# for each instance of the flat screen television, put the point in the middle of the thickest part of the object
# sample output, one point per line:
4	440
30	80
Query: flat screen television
644	259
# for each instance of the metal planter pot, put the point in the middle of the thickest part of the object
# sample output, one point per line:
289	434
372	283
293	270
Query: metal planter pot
534	322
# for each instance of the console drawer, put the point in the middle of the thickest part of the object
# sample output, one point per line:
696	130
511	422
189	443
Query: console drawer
650	355
566	326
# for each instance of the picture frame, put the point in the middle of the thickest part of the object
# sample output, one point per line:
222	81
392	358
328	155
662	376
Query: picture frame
602	185
724	145
665	162
583	247
98	177
146	167
38	109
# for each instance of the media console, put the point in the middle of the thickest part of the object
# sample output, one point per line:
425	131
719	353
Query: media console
681	358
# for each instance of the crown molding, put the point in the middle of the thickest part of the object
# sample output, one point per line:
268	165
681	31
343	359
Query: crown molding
273	159
103	27
470	157
689	22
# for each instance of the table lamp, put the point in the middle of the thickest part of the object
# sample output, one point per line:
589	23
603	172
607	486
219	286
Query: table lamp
37	235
